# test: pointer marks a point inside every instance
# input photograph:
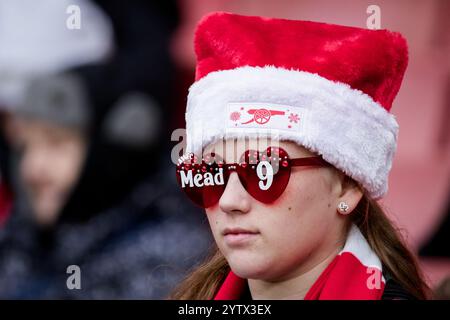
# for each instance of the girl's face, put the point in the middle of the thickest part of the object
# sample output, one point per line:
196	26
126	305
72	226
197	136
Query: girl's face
51	162
280	240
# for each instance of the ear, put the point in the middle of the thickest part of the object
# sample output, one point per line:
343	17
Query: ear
351	193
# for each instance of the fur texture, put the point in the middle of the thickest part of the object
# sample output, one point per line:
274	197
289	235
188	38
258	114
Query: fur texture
372	61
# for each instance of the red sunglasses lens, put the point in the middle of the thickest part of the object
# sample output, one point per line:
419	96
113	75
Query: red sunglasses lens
204	183
265	175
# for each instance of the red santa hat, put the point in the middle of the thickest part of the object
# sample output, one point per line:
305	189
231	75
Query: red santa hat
326	87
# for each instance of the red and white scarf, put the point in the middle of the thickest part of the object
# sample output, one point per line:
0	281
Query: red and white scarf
354	274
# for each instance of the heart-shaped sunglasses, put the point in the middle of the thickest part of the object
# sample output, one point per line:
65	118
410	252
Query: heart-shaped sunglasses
264	175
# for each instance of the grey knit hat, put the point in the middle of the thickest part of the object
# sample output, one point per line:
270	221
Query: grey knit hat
60	99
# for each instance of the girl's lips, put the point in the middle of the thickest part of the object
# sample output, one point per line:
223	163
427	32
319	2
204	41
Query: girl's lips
238	236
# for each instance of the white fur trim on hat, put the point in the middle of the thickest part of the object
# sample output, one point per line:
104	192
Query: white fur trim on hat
344	125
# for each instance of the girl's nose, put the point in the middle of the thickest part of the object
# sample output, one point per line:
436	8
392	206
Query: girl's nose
235	198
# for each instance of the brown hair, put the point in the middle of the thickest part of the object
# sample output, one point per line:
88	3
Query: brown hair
376	227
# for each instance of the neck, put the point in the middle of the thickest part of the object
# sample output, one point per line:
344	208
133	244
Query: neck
294	287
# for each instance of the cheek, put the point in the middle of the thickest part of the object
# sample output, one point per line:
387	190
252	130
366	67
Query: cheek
298	222
68	163
213	219
306	193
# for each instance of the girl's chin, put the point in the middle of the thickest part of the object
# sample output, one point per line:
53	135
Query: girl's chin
250	269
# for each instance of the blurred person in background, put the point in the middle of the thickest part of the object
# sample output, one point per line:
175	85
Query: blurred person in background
35	41
92	187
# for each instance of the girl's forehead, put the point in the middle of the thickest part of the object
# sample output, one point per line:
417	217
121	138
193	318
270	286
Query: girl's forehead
236	147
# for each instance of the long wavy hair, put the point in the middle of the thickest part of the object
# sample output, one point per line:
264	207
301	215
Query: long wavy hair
385	239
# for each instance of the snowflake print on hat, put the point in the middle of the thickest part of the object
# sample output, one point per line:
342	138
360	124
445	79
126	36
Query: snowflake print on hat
293	117
235	116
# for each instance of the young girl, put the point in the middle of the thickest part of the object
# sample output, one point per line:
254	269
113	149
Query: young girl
291	142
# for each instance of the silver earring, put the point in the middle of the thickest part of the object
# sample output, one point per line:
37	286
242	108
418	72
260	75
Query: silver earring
343	207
